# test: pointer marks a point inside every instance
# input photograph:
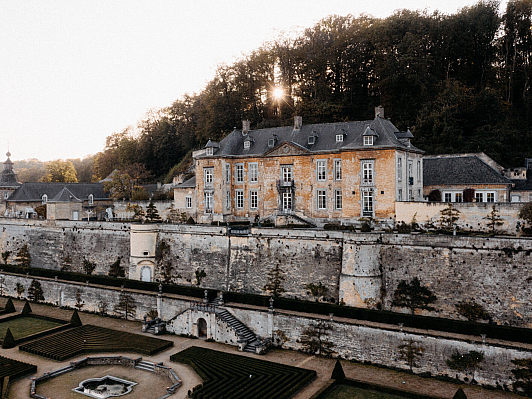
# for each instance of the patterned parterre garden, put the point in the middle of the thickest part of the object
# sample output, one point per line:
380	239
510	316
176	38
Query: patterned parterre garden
232	376
14	369
90	339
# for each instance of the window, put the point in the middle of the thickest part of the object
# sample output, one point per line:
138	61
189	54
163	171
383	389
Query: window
399	168
479	197
208	177
368	140
400	195
239	173
209	151
311	140
271	143
91	199
253	172
247	144
490	197
286	174
209	201
447	197
239	199
338	199
410	195
410	174
367	203
228	199
458	197
6	195
253	199
419	195
418	170
339	138
227	174
515	198
367	172
321	170
44	198
188	202
321	197
286	204
337	169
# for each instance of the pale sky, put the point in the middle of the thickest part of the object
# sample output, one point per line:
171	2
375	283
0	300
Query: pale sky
74	72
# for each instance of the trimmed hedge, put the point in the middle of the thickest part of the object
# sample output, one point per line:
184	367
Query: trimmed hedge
14	369
226	375
89	339
515	334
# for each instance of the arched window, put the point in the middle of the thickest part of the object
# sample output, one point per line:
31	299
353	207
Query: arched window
44	198
91	200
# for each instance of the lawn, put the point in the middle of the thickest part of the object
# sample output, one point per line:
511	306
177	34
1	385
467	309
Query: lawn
349	392
24	326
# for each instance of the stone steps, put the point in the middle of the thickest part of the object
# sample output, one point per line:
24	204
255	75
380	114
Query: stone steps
146	366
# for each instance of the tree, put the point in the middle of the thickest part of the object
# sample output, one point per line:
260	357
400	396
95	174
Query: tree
152	215
523	376
79	302
317	290
200	274
162	257
5	256
115	270
409	352
19	288
126	305
525	213
88	266
468	362
138	212
472	311
449	215
23	256
275	281
413	296
494	219
67	264
60	171
315	339
35	292
119	188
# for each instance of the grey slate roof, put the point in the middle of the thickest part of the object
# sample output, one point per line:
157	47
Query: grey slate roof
450	170
8	177
34	191
385	137
65	195
190	183
522	184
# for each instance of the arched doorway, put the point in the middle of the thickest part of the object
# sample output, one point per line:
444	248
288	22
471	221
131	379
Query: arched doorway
145	274
202	328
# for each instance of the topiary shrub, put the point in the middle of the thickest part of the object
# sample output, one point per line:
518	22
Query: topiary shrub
338	372
9	341
26	310
9	308
75	320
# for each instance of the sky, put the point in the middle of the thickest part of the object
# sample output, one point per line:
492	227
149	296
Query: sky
74	72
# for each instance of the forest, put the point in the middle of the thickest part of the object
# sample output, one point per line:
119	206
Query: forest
460	82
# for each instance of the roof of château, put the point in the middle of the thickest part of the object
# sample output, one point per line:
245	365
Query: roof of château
29	192
65	195
457	169
384	132
8	177
190	183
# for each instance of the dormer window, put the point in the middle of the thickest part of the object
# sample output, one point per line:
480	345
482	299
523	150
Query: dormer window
209	151
247	144
368	140
311	140
271	143
339	138
44	198
91	200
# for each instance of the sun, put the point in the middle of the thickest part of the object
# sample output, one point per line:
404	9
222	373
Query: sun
278	93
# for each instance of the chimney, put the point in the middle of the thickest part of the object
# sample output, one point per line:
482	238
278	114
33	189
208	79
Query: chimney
298	122
245	127
379	112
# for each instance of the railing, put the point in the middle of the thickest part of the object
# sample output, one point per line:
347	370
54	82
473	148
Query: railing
202	306
282	183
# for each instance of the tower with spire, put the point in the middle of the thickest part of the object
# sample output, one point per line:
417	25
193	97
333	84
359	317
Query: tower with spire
8	181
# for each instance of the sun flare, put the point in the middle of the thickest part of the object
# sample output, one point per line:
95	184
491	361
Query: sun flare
278	93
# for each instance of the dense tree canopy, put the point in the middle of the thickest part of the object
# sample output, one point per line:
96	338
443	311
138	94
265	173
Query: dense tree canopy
461	82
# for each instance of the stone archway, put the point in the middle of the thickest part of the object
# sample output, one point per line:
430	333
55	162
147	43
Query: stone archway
202	328
145	274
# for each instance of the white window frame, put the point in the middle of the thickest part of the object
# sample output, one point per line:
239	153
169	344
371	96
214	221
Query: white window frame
368	203
321	170
287	174
491	196
208	177
321	199
338	169
227	175
399	168
418	171
339	138
253	199
458	197
247	144
286	201
6	195
479	196
368	172
44	199
239	173
239	199
228	199
91	200
209	151
253	172
338	199
208	198
400	195
410	198
410	171
368	140
188	202
450	197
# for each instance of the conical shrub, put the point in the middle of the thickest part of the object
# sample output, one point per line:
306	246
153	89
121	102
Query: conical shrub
338	372
75	320
9	308
27	309
9	341
460	394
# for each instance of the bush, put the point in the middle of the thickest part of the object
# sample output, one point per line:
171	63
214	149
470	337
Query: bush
366	228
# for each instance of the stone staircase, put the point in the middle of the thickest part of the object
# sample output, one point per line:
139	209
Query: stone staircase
249	339
146	366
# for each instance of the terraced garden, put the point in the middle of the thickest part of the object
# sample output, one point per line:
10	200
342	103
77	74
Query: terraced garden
91	339
227	375
14	369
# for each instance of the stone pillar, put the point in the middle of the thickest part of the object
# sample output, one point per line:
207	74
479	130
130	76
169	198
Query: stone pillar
271	311
160	302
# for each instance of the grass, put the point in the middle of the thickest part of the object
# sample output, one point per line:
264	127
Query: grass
349	392
227	375
24	326
93	339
